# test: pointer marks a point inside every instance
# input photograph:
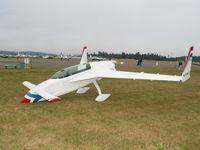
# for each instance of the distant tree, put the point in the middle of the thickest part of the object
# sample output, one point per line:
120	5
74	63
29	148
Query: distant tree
148	56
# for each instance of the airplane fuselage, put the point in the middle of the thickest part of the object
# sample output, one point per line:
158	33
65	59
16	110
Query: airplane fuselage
61	86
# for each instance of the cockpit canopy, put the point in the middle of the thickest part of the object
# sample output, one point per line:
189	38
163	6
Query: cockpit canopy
71	71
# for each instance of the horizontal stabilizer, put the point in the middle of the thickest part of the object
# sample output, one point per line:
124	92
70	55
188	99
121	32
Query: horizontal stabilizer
28	84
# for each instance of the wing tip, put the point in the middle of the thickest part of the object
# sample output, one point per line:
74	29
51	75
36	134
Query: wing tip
191	48
84	48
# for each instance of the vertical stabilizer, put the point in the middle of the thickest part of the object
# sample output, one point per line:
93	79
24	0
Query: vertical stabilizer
84	55
188	64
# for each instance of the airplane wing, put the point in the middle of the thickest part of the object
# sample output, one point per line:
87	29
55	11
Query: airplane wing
47	95
106	73
139	76
129	75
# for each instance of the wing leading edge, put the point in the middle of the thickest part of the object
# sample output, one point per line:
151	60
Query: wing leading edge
130	75
139	76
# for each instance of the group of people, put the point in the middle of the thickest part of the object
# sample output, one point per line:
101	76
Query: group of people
139	63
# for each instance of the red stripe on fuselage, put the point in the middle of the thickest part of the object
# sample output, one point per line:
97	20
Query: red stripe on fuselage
55	99
25	100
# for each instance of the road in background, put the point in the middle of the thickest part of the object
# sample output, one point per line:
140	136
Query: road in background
55	63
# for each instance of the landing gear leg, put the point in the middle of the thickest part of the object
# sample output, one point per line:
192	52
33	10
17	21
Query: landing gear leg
101	97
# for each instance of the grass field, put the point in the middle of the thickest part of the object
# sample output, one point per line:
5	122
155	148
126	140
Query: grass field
149	115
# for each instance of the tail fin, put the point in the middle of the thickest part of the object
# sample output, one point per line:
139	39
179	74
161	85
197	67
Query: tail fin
84	55
187	67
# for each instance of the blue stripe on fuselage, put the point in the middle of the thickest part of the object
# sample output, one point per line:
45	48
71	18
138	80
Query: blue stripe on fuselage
35	96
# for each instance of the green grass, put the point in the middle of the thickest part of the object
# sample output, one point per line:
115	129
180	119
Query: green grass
139	115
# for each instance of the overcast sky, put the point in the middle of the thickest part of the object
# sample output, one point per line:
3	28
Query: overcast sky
148	26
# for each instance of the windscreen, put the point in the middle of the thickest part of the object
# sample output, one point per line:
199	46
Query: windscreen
71	71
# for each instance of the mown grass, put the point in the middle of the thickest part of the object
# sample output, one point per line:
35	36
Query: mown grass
149	115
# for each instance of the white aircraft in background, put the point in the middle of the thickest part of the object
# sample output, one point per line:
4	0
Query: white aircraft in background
79	76
21	55
47	57
62	56
76	57
96	58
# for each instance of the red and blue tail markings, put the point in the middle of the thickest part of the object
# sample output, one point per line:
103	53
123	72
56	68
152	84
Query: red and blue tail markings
35	96
29	97
25	100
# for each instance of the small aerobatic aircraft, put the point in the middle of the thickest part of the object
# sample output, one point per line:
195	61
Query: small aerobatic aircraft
79	76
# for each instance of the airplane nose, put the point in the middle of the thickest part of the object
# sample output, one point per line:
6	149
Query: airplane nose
25	100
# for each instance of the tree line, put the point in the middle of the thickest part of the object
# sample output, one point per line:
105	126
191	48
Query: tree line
138	55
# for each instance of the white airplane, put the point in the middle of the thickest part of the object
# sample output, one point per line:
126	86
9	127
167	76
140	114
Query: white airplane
96	58
20	55
76	57
62	56
79	76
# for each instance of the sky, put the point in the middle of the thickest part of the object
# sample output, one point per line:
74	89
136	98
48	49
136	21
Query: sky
165	27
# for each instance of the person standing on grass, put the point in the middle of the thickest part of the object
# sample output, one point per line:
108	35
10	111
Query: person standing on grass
180	63
139	63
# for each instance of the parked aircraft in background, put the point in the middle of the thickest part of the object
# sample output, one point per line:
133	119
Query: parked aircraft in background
76	57
79	76
21	55
62	56
48	57
96	58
